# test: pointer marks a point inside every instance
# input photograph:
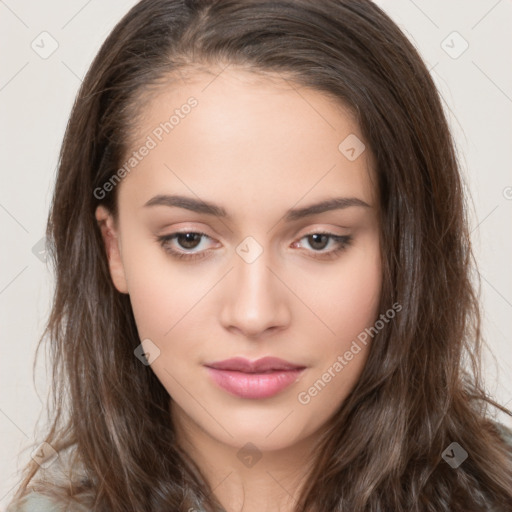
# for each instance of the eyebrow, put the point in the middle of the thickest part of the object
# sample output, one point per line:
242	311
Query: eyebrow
205	207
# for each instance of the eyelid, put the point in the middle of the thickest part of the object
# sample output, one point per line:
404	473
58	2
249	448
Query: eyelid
341	244
181	254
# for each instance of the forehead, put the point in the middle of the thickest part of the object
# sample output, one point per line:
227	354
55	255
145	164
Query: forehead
247	135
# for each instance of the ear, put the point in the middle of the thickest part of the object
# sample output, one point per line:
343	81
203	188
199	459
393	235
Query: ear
111	241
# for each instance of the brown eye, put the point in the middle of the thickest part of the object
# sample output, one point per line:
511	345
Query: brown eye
178	244
318	240
188	240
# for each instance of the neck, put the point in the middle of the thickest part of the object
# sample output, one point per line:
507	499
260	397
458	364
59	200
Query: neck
243	477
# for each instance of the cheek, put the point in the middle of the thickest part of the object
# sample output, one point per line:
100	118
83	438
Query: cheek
349	299
152	302
350	307
161	291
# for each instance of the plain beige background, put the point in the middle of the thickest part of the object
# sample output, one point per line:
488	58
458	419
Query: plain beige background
466	45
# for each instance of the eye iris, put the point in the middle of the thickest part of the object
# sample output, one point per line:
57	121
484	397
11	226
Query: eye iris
185	239
316	237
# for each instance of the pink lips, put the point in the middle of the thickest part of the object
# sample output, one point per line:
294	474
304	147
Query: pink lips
254	379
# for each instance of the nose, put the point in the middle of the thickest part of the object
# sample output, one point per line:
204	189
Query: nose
254	299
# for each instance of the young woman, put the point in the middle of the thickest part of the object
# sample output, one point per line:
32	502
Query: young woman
263	275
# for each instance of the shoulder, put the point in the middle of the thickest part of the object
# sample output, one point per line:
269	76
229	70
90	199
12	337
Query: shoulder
505	432
37	502
50	490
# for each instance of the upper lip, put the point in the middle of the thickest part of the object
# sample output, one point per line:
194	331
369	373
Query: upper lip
264	364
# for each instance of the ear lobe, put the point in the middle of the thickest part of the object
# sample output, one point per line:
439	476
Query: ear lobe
111	242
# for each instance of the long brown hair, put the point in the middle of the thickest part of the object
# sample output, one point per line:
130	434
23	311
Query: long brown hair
421	388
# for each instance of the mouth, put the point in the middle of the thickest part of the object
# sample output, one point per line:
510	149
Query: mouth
258	379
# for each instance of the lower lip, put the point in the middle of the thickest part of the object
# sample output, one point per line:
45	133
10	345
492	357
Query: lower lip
254	385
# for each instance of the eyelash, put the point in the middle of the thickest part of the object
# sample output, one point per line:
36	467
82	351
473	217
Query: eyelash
342	241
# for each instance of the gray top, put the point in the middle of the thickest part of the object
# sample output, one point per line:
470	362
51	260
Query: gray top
36	502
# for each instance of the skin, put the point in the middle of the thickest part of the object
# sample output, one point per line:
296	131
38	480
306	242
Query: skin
257	146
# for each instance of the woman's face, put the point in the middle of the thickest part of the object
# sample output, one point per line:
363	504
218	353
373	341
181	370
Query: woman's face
249	158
